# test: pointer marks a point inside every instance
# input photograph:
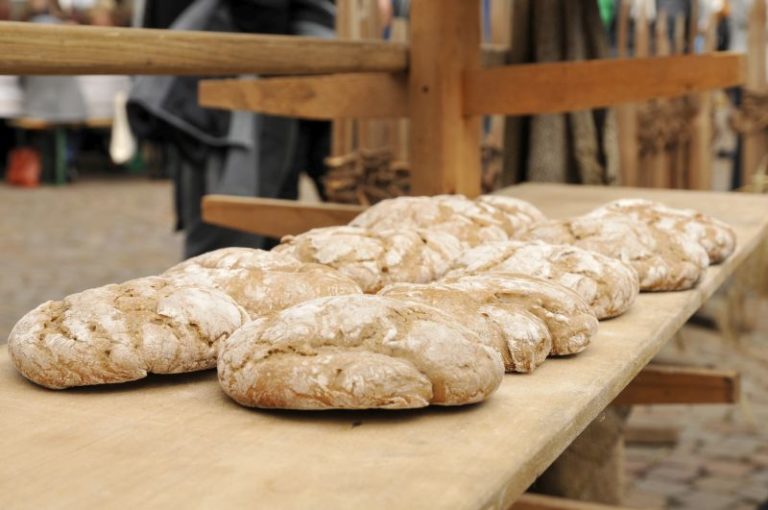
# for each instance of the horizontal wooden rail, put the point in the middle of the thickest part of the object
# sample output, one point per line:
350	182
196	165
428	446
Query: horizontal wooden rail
28	49
571	86
272	217
336	96
530	501
513	90
661	384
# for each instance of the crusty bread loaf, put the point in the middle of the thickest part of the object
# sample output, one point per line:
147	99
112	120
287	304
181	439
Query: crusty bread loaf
262	281
663	261
570	320
375	259
473	222
715	236
520	215
521	338
357	352
607	284
122	332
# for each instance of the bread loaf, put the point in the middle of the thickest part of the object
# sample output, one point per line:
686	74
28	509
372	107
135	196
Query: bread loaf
122	332
262	281
570	320
375	259
608	285
715	236
663	261
357	352
473	222
521	338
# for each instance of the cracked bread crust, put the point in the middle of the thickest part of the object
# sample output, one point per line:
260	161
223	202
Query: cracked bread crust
122	332
608	285
472	222
376	259
663	261
357	352
570	320
521	338
715	236
260	281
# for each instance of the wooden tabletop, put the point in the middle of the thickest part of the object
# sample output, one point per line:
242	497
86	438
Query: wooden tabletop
179	442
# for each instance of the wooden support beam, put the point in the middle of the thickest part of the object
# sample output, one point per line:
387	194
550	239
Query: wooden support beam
272	217
336	96
530	501
29	49
660	384
568	86
445	142
657	436
755	145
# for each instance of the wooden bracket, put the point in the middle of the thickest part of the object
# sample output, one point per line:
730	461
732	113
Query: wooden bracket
273	217
660	384
529	501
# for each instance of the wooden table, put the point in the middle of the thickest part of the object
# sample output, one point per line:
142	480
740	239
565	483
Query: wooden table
179	442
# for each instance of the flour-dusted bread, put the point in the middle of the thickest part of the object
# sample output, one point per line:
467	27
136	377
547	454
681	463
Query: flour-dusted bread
715	236
521	338
473	222
357	352
374	259
609	285
122	332
520	214
663	261
262	281
570	320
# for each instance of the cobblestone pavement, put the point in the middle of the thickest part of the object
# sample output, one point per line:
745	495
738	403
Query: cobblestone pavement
58	240
720	461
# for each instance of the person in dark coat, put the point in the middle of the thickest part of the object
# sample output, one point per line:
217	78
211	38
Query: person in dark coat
215	151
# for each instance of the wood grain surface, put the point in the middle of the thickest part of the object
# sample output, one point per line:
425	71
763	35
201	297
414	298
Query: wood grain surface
559	87
179	442
27	49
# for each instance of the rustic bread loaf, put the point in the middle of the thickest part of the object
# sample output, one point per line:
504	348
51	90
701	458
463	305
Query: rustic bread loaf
374	259
520	214
521	338
715	236
608	285
570	320
357	352
262	281
122	332
663	261
473	222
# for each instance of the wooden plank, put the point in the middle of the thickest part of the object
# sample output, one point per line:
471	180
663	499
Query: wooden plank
701	150
27	49
530	501
445	142
755	145
560	87
626	113
658	384
661	167
337	96
273	217
656	436
178	441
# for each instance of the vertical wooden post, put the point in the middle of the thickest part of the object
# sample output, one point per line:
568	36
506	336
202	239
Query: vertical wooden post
700	168
661	161
626	114
643	49
341	141
445	144
755	144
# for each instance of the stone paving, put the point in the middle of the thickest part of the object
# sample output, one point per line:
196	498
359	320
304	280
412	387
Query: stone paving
58	240
721	459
